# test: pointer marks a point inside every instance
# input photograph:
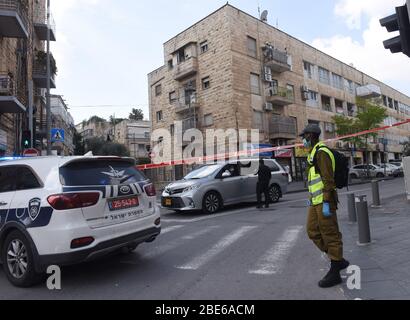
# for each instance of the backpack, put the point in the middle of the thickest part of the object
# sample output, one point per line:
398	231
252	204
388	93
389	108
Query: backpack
342	168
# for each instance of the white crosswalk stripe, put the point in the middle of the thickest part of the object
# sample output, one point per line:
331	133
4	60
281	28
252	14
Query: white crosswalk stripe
273	261
219	247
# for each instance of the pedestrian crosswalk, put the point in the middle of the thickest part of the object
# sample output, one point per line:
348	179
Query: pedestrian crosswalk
219	243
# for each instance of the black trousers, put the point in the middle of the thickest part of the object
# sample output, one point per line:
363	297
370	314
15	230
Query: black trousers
262	188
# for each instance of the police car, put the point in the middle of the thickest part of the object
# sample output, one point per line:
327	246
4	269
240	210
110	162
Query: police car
67	210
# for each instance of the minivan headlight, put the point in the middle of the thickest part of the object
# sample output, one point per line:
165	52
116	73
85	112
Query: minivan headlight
192	188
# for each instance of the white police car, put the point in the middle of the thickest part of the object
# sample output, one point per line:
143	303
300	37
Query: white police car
67	210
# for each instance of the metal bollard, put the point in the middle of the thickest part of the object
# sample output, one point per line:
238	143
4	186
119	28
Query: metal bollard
376	193
363	220
351	205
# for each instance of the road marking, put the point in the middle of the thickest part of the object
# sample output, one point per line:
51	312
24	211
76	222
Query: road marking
207	217
159	250
272	262
170	229
223	244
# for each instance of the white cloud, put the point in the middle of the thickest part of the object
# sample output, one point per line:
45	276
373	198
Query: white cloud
369	55
354	10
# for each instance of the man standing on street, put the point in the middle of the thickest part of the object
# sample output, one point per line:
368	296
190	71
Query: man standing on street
264	176
322	225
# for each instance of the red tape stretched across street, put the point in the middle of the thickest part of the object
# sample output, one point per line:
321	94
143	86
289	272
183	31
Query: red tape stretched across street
257	151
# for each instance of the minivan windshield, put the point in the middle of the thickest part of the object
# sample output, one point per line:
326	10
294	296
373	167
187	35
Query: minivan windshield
203	172
100	173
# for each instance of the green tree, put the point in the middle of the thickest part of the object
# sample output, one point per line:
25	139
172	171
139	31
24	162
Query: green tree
136	115
79	146
96	119
100	147
114	121
370	116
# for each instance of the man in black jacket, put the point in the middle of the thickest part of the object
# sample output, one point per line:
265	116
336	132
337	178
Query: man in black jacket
264	176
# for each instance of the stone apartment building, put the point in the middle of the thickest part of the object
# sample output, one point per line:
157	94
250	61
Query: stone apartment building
23	31
232	70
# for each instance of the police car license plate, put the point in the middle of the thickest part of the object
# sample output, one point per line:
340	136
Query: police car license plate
168	202
121	204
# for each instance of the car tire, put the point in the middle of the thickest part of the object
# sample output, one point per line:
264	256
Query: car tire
21	273
353	176
380	175
211	203
275	193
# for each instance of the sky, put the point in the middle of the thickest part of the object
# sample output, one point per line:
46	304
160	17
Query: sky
106	48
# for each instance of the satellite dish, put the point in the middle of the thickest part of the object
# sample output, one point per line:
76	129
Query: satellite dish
264	16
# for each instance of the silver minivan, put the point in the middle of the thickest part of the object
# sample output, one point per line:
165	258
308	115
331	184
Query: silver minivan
211	187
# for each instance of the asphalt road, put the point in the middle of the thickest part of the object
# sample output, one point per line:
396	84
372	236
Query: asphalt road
241	253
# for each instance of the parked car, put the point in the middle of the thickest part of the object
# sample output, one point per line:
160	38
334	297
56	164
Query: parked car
360	171
391	170
399	165
63	211
212	187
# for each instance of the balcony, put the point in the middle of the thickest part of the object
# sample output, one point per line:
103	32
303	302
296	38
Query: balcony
9	103
186	69
186	104
14	18
40	70
277	60
282	127
279	96
369	91
41	24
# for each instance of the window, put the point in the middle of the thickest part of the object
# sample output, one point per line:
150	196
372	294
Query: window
324	76
339	106
337	81
172	97
350	86
181	55
350	109
170	64
147	135
252	48
313	100
290	91
26	179
308	69
258	120
206	83
329	127
255	84
204	46
7	179
272	166
326	103
159	116
208	120
172	129
158	90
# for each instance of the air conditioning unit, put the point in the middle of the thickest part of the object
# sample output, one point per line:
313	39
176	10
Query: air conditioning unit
305	89
268	106
305	93
339	145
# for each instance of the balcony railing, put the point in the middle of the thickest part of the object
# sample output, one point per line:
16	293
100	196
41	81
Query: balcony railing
9	102
282	127
185	69
7	87
280	96
277	60
40	71
185	103
41	24
14	18
369	91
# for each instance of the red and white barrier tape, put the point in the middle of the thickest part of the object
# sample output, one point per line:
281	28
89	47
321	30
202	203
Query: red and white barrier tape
257	151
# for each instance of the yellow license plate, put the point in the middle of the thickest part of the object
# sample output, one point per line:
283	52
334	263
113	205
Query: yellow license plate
168	202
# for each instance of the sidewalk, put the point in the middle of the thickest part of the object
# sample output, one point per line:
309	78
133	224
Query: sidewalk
385	263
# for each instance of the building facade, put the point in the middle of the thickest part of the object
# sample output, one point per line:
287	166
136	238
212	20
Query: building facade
23	77
232	70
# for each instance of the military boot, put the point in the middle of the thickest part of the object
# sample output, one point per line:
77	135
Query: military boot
333	277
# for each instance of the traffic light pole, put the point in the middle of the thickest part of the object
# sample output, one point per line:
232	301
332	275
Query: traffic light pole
48	107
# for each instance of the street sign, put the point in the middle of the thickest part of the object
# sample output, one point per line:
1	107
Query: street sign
57	135
31	153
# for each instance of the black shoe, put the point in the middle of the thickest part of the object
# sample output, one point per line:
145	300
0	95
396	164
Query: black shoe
331	279
259	207
340	265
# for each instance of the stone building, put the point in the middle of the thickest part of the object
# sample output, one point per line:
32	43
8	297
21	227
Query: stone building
232	70
23	31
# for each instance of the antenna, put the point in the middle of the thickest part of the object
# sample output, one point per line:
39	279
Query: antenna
264	16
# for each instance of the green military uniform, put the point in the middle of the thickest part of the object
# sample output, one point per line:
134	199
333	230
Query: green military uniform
323	231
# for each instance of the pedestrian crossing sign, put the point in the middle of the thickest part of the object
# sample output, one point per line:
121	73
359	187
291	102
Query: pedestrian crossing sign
57	135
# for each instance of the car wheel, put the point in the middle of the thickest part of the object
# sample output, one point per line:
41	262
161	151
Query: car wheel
380	175
18	261
353	176
212	203
275	193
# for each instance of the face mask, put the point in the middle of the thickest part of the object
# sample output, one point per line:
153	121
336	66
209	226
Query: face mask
306	143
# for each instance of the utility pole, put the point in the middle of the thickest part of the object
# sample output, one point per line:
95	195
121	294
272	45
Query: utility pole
48	107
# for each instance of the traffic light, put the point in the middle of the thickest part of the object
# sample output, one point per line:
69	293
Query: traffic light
25	139
398	22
